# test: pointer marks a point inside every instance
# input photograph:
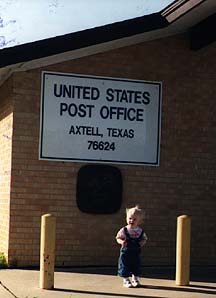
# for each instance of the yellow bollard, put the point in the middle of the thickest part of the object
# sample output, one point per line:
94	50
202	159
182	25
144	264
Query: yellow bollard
47	251
183	250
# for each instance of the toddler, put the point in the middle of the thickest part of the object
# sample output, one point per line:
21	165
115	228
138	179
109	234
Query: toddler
131	238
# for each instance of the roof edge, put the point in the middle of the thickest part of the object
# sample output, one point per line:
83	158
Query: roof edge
81	39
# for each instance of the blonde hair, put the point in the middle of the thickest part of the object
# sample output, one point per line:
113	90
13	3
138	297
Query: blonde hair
135	211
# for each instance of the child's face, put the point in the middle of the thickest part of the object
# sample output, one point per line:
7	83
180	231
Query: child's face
133	220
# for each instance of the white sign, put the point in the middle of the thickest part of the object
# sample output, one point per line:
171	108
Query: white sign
100	119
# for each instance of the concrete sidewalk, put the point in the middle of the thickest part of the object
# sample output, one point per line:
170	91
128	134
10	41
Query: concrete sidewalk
103	282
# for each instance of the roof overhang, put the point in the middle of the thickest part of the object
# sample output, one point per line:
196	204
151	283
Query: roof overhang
82	39
194	16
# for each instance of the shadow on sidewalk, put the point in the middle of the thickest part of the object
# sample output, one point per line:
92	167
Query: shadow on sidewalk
103	293
192	288
197	273
189	289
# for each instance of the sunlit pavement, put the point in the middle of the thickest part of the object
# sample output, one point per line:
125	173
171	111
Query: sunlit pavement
103	282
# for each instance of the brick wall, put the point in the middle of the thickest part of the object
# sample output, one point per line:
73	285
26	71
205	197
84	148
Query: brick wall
184	183
6	124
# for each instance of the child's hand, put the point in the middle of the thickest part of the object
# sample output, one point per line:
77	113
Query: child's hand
124	243
142	243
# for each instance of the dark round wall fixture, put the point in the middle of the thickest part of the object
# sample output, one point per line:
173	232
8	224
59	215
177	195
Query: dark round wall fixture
99	189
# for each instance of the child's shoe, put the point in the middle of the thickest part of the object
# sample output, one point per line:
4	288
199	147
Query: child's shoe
127	283
136	283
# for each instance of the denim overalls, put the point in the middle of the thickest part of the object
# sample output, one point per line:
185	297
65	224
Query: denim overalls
129	259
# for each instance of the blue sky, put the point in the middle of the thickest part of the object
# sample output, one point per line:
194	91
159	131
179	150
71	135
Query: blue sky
23	21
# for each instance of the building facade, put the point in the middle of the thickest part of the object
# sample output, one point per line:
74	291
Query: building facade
183	183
